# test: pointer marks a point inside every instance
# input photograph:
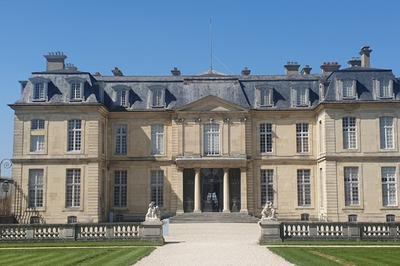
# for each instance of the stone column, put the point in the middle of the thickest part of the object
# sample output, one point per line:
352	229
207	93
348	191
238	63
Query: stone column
243	190
179	191
226	190
197	194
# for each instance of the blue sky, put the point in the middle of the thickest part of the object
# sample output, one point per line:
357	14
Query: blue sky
151	37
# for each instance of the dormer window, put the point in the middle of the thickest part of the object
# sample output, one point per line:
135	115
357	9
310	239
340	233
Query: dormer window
123	98
76	85
385	89
265	97
39	92
300	97
76	91
348	89
158	99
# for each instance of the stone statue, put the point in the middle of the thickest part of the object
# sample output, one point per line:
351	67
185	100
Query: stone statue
153	212
268	213
117	72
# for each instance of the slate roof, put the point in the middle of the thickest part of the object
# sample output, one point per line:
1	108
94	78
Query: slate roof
182	90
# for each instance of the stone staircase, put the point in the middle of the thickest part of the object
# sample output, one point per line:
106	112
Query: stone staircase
213	217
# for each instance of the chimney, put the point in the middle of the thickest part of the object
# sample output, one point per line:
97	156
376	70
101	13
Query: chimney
354	62
71	67
55	61
329	67
292	68
306	70
117	72
175	72
365	53
246	72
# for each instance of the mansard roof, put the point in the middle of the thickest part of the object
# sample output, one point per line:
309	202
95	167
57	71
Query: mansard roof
180	91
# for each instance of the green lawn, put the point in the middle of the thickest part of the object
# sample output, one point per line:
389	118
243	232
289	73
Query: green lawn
311	256
73	253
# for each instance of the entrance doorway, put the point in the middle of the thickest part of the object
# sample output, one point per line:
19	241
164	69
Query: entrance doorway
212	189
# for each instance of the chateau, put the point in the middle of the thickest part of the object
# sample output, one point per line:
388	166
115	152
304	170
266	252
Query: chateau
92	148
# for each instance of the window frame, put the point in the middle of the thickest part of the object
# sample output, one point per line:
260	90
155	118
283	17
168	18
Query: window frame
35	146
42	94
303	138
265	97
75	202
158	102
302	185
121	139
123	93
207	141
157	139
389	185
348	129
298	97
73	88
267	186
379	88
266	138
383	130
157	187
344	88
75	136
37	188
120	196
352	186
40	124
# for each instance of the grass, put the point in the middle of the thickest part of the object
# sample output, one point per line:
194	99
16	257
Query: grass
82	253
311	256
338	242
79	244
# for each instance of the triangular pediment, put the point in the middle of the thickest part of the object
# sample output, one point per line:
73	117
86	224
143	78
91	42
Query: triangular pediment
211	104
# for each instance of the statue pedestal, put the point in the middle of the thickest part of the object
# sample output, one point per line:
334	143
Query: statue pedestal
270	231
152	231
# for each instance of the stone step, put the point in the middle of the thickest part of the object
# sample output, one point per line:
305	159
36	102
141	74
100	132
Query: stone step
213	217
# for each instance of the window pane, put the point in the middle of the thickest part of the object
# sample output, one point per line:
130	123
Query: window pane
157	187
389	186
74	135
265	138
303	187
351	186
35	188
349	133
267	186
37	124
211	139
157	139
37	143
120	188
302	137
121	139
386	132
73	188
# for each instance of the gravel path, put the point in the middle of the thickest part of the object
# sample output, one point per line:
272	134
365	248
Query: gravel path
213	244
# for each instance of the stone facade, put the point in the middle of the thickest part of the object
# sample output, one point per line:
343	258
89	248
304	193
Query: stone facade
305	114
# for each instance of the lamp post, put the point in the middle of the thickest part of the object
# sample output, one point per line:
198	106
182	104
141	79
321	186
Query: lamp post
5	184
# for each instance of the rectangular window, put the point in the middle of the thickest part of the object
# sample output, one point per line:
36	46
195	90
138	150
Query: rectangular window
385	89
39	92
157	187
352	218
349	133
386	132
121	139
35	190
157	139
266	97
211	139
37	143
389	187
158	98
351	184
74	135
267	186
73	192
302	97
37	124
265	137
302	137
120	188
76	93
303	187
348	91
123	98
